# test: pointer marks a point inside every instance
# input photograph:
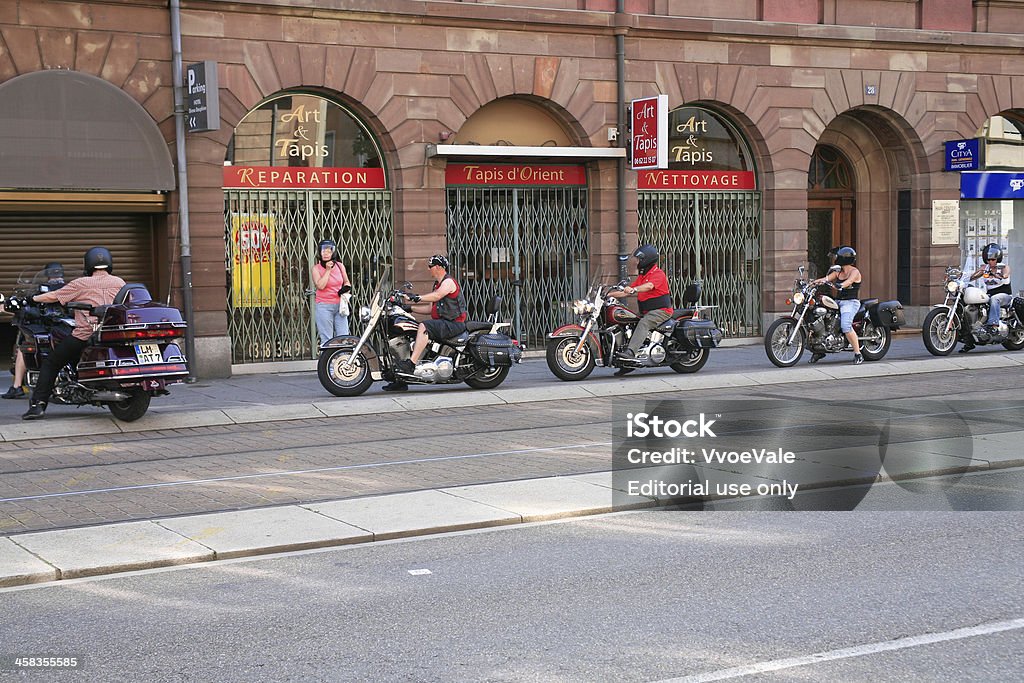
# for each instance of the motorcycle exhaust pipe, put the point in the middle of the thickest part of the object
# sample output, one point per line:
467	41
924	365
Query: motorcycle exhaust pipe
111	396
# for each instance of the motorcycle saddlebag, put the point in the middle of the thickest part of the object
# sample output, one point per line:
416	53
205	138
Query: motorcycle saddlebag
698	334
889	314
492	350
1018	307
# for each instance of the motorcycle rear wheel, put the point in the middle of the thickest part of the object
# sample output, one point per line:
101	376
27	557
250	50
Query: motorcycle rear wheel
694	361
933	332
1015	342
881	340
339	377
779	353
565	363
131	409
489	379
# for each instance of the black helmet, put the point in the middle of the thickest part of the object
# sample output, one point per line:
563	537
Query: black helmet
54	270
992	251
439	260
845	256
324	243
646	256
98	258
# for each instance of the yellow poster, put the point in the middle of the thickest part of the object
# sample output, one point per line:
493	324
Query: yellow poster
253	268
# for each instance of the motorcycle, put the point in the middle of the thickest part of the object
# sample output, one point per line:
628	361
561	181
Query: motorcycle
132	356
963	314
480	357
604	326
814	324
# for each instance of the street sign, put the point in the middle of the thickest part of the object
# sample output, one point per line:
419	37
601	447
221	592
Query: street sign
202	96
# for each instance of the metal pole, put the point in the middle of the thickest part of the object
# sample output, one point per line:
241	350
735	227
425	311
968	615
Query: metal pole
179	140
620	76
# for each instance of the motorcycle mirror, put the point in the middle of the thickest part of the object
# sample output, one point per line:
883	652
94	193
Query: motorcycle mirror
801	271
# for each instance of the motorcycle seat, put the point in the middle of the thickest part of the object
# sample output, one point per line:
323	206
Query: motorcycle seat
459	340
477	326
867	303
682	313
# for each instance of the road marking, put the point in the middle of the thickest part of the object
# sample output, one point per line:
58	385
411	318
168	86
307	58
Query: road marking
287	473
419	572
847	652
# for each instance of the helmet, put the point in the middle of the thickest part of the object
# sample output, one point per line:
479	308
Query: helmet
845	256
438	260
992	251
327	243
646	256
98	258
54	270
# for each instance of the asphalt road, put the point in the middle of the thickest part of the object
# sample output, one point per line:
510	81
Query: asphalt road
631	597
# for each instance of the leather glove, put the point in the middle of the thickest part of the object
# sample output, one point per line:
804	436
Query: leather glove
345	289
415	298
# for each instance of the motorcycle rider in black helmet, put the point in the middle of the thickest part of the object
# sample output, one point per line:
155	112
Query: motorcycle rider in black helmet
847	280
98	288
996	275
651	288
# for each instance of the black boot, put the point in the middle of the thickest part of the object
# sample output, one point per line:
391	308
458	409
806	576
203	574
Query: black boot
395	386
15	392
36	411
623	371
815	357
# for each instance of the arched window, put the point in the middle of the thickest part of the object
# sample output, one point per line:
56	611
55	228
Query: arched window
829	170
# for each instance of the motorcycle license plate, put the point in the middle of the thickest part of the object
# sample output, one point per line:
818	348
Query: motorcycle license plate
148	353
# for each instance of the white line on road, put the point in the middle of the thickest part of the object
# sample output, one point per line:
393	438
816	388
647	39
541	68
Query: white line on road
284	473
847	652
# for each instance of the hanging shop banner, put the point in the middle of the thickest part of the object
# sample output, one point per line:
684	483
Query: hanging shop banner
497	174
650	132
253	263
305	178
963	155
992	185
696	180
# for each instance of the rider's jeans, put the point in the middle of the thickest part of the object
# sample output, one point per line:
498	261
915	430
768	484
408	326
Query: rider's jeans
330	323
69	350
847	309
643	328
994	304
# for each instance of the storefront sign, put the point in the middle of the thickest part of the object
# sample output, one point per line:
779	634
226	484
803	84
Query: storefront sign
495	174
696	180
203	97
945	221
304	177
650	132
963	155
992	185
253	261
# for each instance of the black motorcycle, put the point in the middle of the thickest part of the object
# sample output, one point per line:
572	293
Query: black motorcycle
132	356
480	357
814	324
962	317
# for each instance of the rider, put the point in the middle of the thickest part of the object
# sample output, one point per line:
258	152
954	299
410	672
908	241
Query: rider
651	288
847	281
446	305
996	275
54	272
98	288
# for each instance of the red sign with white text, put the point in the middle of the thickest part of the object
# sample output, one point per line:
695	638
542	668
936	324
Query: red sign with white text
649	144
696	180
304	177
495	174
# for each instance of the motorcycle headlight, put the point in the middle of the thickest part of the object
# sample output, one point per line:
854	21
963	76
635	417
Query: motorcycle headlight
952	286
364	313
581	307
798	298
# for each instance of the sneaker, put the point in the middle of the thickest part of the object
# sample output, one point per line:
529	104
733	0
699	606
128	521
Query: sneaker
15	392
623	371
815	357
406	367
395	386
35	411
857	359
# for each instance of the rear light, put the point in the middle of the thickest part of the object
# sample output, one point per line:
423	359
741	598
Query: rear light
140	333
133	370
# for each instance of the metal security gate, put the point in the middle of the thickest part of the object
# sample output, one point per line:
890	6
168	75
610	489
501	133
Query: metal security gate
714	237
271	238
527	245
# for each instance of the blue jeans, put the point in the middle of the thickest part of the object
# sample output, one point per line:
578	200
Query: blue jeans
847	309
330	323
995	302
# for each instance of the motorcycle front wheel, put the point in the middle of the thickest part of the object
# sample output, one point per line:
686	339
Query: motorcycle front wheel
342	378
489	378
566	363
937	340
876	341
132	408
692	362
776	345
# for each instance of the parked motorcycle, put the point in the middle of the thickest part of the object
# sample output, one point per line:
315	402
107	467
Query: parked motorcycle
814	324
480	357
962	317
133	354
604	326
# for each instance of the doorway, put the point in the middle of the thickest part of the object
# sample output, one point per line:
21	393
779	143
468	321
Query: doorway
830	206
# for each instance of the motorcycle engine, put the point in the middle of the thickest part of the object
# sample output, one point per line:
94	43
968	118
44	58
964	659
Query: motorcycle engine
438	370
655	354
401	347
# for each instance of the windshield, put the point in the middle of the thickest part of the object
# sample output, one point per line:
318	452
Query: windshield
385	286
30	279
